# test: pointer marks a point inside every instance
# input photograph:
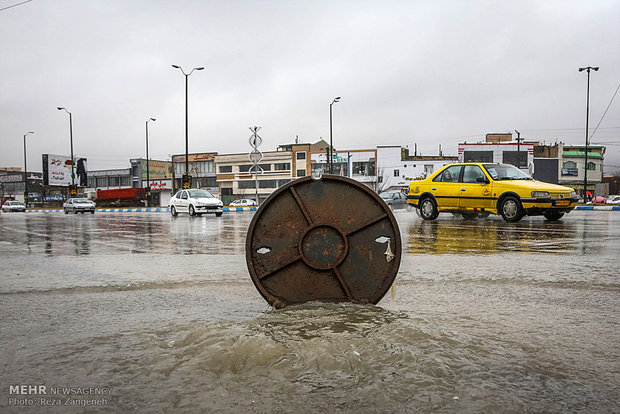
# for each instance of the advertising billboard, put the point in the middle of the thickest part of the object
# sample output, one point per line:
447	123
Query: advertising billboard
57	170
158	170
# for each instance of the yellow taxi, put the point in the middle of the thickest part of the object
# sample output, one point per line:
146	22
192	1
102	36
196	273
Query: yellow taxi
480	189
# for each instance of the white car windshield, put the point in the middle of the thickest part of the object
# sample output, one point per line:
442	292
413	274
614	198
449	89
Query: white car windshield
506	172
80	200
200	194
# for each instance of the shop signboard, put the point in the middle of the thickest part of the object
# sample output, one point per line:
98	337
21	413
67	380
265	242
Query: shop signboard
572	172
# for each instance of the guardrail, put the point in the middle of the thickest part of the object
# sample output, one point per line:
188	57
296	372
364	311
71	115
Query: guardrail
139	210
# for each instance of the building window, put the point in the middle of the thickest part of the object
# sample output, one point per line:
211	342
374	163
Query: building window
380	179
364	168
267	184
225	169
283	166
516	158
114	181
301	155
301	173
396	173
227	191
246	185
569	164
124	181
92	182
591	166
478	156
282	182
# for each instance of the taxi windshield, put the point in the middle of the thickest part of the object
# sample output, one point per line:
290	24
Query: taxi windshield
505	172
200	194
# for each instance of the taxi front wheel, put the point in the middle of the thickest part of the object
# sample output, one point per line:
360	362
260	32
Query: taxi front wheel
511	209
428	209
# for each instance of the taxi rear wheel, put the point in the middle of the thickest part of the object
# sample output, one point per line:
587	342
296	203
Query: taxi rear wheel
553	216
428	209
173	211
192	212
511	209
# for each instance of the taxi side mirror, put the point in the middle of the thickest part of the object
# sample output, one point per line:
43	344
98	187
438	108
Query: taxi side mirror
482	180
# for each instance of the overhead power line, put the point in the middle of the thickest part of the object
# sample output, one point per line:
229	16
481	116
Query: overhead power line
15	5
606	109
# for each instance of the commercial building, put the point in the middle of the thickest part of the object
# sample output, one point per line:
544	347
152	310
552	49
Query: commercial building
237	179
396	168
572	173
201	168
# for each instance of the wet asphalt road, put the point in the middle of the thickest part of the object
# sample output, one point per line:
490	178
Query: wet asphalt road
484	316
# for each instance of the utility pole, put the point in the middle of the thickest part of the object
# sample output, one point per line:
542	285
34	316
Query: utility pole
518	149
585	170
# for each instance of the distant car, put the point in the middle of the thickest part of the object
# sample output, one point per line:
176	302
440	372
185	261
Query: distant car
394	199
79	205
13	206
244	202
597	200
613	199
474	188
195	203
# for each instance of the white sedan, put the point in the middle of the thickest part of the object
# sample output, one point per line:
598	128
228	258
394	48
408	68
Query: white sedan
195	202
244	202
13	206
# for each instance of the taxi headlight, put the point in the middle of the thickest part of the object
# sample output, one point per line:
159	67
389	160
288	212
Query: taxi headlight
573	194
540	194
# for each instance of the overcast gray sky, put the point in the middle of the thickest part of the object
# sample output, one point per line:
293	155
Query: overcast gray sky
425	72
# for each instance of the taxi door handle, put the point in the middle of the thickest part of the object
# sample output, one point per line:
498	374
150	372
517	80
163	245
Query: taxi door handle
463	189
434	188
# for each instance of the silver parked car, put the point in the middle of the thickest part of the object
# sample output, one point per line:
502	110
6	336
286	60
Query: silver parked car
243	202
13	206
394	199
195	202
79	205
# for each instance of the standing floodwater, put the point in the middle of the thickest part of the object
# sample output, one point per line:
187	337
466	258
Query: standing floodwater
152	313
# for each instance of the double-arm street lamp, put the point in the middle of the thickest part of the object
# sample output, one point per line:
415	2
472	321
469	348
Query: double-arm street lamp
186	140
331	148
60	108
26	171
148	185
585	171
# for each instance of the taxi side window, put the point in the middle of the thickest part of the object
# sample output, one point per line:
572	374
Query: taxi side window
472	173
450	174
184	195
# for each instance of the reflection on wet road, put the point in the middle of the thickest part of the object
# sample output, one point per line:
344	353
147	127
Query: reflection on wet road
485	316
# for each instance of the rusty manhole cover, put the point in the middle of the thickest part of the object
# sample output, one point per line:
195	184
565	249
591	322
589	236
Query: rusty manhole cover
331	239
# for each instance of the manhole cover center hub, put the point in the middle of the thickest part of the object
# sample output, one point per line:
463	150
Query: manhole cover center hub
323	247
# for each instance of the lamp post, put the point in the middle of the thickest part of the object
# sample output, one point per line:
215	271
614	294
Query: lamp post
186	140
148	186
585	170
26	171
331	148
60	108
518	149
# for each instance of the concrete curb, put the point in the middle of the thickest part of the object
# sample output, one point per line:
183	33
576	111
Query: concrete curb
143	210
598	208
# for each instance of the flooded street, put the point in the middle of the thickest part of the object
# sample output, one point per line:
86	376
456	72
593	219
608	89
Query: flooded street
484	316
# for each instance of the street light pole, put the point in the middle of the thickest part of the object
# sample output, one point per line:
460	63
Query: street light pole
26	171
518	149
331	148
60	108
186	112
148	186
585	170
